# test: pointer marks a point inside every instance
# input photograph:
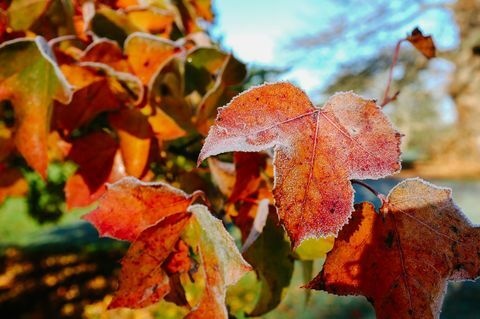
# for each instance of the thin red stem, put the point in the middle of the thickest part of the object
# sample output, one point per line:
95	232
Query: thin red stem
386	98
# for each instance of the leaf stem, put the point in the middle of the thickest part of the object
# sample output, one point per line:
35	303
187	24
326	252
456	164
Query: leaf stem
368	187
386	98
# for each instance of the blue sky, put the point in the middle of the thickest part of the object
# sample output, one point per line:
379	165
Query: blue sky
260	31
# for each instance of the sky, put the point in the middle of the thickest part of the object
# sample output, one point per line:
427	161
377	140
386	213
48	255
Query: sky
261	32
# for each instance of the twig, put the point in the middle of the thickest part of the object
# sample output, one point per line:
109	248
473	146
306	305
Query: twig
368	187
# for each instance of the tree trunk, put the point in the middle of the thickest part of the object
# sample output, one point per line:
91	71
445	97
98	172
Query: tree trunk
465	87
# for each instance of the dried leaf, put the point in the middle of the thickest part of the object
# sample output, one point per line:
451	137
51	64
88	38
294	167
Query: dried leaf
402	260
422	43
317	151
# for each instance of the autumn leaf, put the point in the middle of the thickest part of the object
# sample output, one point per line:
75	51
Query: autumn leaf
135	133
223	175
93	95
31	80
164	127
130	206
154	217
22	14
146	53
166	91
248	167
107	52
222	263
95	154
402	259
422	43
317	151
142	280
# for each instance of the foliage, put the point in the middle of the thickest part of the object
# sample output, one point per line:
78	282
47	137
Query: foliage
126	91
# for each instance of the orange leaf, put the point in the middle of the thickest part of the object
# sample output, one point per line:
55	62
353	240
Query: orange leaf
222	263
401	260
31	80
136	206
12	183
107	52
164	127
135	136
142	280
317	151
146	53
422	43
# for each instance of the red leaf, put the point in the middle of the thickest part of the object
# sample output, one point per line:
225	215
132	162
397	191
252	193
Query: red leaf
142	280
248	167
130	206
94	155
317	151
401	260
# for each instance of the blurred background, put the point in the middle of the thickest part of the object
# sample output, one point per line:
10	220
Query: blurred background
52	264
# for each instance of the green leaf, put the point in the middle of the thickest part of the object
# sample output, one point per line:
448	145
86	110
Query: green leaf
270	257
221	261
31	80
22	14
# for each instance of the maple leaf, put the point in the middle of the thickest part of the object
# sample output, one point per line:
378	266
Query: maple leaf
223	265
422	43
136	205
146	53
154	216
142	280
401	260
317	151
31	80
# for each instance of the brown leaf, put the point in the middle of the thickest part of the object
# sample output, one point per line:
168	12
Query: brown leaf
402	260
422	43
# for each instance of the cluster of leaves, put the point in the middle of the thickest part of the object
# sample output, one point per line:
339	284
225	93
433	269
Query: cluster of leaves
107	85
123	88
